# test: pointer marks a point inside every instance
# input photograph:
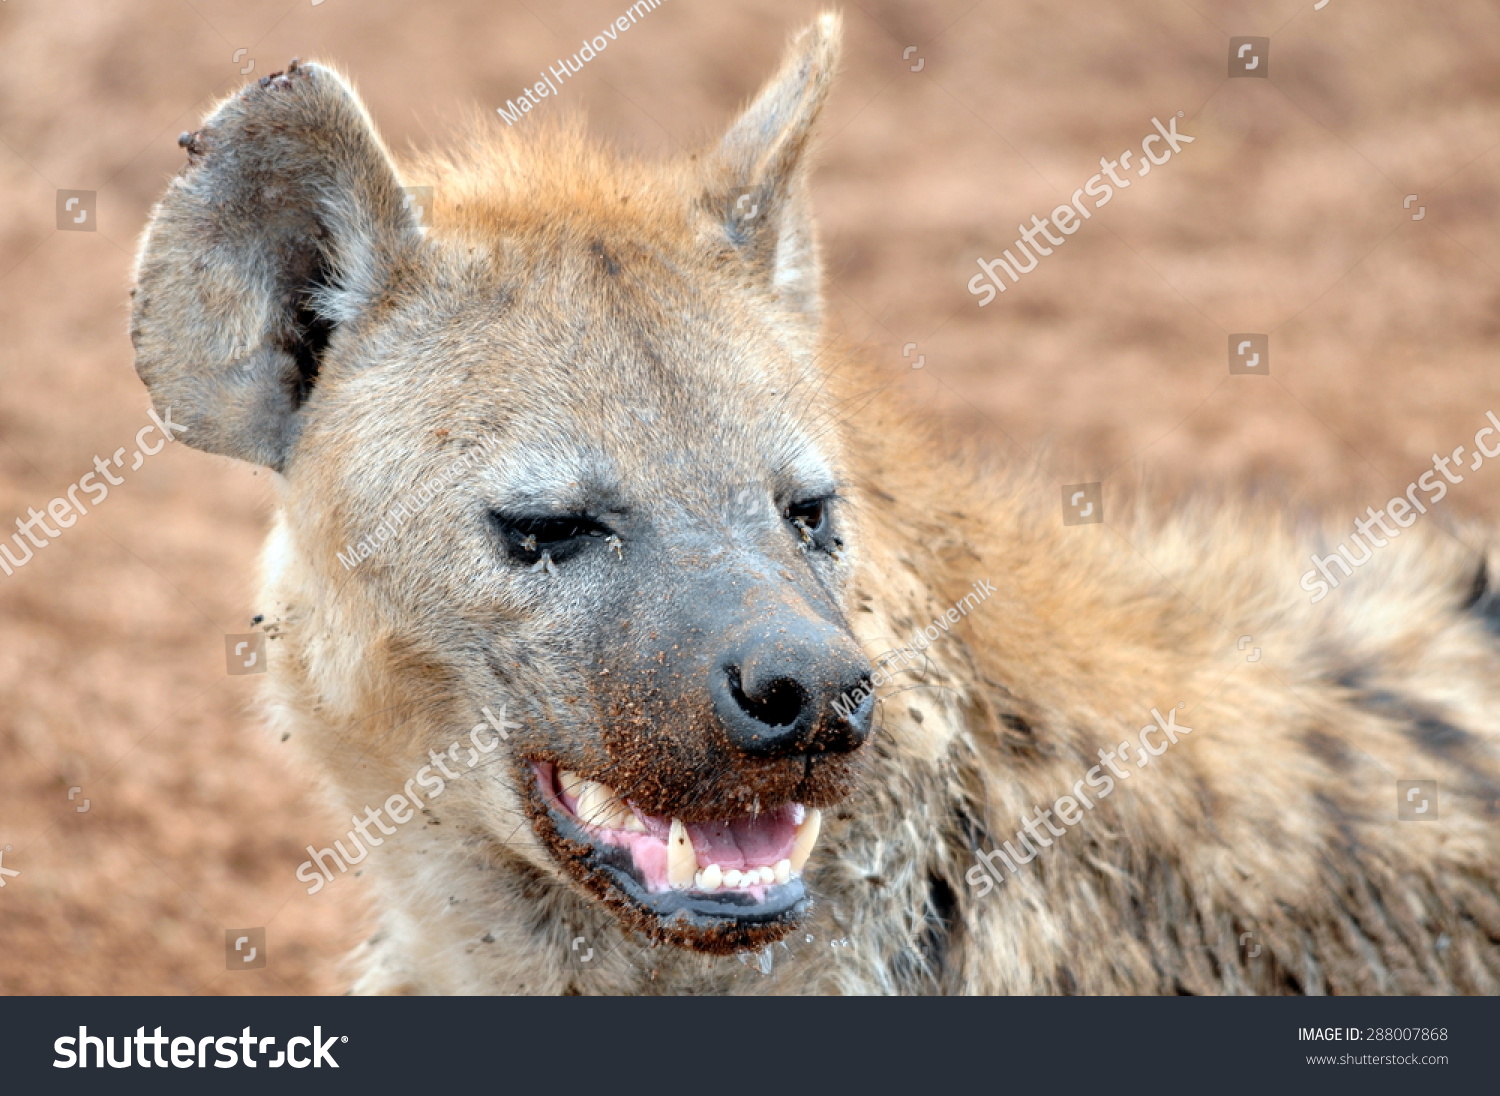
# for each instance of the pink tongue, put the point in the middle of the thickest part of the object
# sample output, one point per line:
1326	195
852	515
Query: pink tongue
748	841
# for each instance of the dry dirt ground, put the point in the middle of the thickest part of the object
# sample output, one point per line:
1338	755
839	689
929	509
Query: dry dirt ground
1287	215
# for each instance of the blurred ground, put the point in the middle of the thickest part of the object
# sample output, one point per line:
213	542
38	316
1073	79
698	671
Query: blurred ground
1284	216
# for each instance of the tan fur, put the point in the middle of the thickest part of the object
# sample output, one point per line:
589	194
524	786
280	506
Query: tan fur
590	311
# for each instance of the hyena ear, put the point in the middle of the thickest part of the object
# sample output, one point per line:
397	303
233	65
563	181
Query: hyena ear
287	223
756	190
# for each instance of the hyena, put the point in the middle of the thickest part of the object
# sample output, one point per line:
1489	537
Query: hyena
705	669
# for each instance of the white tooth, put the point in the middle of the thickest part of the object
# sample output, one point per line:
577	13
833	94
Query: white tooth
630	822
711	878
732	877
767	874
783	871
593	802
682	861
598	806
614	816
588	799
807	837
571	783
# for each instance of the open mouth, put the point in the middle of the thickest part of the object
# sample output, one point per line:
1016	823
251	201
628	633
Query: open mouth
717	885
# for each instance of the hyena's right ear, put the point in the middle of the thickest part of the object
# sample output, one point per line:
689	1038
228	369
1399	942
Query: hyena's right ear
287	222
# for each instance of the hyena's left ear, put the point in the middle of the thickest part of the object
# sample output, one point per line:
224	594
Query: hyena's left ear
287	223
756	190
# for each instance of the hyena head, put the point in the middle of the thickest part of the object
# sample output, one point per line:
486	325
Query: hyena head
557	449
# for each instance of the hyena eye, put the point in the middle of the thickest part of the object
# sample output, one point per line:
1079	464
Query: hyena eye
811	513
531	539
810	519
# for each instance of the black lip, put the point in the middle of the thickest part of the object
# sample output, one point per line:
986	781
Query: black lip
783	903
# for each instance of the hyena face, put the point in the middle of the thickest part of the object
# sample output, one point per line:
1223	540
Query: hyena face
563	452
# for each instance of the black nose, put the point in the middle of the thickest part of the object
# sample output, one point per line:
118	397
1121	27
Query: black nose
794	689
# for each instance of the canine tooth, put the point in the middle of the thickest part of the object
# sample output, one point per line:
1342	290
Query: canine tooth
783	871
767	874
732	877
807	837
682	861
711	878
